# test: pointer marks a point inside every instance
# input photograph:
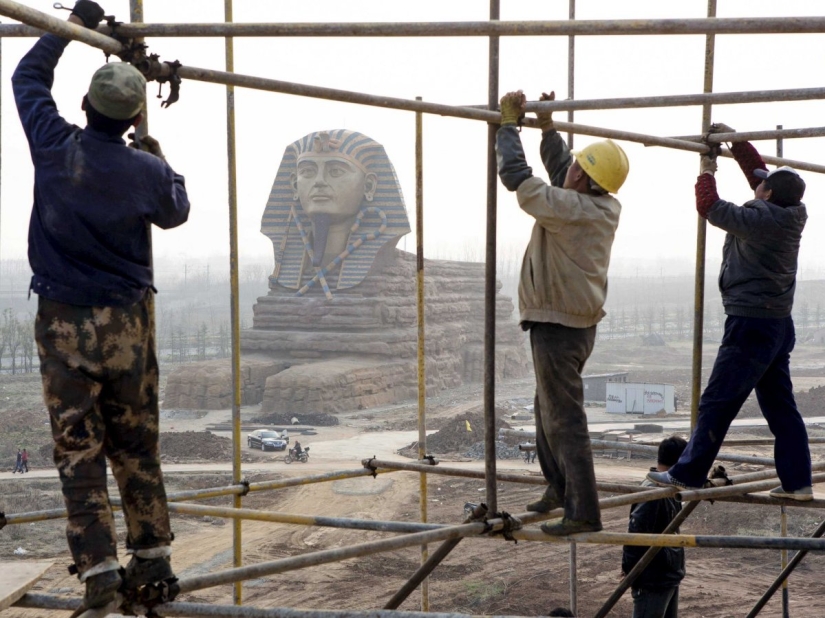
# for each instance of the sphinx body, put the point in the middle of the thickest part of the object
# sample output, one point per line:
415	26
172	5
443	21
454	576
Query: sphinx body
337	329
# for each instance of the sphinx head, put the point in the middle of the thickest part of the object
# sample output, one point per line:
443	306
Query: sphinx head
330	182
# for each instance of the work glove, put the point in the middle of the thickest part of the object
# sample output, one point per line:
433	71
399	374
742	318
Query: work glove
512	107
721	127
148	144
546	118
90	13
708	165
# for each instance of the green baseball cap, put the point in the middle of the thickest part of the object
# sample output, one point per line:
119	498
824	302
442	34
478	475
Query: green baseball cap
118	90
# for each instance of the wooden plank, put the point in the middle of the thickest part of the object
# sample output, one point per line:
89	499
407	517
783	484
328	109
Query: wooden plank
17	578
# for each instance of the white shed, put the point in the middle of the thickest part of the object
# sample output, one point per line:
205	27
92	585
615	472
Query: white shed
640	398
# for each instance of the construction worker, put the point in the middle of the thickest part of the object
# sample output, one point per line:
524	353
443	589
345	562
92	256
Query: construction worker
656	590
757	282
89	250
561	294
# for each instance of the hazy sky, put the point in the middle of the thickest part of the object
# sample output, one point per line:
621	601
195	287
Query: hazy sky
658	219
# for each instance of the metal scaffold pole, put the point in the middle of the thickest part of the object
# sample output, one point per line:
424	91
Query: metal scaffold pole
490	276
419	302
701	246
237	541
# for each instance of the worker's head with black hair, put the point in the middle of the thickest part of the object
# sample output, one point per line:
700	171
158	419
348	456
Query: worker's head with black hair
561	611
782	186
670	449
115	98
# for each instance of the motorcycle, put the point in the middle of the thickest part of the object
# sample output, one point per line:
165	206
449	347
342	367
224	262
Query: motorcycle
303	457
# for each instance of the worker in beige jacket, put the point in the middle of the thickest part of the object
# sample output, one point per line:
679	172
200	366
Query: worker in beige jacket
561	294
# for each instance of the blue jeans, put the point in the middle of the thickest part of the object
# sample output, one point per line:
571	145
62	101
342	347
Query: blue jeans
755	354
656	602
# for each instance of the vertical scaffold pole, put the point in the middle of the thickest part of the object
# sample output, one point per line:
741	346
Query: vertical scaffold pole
571	87
571	94
490	278
237	548
419	298
783	514
701	245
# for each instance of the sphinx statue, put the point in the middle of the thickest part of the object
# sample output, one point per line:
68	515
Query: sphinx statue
334	204
337	329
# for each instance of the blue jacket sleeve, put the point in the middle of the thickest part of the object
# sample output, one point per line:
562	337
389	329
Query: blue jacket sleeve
512	165
173	206
555	155
32	85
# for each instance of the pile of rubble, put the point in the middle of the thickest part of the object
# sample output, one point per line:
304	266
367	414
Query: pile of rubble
193	445
456	435
503	451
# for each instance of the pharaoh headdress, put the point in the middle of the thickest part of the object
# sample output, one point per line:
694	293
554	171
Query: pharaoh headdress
380	222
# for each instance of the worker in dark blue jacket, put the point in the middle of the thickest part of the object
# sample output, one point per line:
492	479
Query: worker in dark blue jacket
89	250
757	282
656	590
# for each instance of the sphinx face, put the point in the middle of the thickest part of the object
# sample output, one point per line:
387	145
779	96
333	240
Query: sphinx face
330	186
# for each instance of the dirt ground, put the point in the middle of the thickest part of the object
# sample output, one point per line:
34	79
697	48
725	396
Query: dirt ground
481	576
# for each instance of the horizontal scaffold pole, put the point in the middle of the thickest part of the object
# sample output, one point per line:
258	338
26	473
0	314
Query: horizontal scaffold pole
584	27
32	17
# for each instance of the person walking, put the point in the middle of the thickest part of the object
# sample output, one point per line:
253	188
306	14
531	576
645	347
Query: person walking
562	292
18	464
656	591
90	252
757	282
24	461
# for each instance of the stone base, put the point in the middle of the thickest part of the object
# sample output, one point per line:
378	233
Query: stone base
207	385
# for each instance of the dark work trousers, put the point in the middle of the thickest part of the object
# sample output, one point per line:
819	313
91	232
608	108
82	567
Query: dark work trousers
656	602
755	354
100	384
562	440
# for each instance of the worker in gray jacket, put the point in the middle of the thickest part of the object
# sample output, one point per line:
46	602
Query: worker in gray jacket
757	282
561	294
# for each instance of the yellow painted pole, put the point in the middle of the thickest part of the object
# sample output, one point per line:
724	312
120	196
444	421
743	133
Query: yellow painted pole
237	545
701	246
419	301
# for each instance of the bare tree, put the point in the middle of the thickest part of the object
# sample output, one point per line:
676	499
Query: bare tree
11	333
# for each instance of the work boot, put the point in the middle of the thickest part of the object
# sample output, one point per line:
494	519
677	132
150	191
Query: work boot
144	571
564	526
102	588
546	503
664	479
803	494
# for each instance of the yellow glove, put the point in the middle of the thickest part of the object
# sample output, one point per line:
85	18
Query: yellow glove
512	107
546	118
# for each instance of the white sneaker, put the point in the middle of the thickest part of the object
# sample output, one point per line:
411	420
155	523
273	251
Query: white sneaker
803	494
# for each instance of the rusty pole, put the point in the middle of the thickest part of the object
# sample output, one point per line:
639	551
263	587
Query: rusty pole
490	276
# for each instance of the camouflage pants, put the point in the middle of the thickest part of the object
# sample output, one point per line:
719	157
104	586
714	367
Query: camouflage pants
100	383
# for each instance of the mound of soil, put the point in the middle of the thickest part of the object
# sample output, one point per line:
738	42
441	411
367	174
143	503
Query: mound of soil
282	418
456	435
203	445
810	403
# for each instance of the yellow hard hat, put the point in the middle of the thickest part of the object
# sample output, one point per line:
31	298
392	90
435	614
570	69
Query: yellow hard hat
606	163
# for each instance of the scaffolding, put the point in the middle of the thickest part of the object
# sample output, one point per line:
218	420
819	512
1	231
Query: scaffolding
486	520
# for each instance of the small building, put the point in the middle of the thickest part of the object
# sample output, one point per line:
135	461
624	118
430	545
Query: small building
640	398
595	386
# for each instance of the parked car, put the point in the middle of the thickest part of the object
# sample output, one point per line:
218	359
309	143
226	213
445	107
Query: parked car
266	440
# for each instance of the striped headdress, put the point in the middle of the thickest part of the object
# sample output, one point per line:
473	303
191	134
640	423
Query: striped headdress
292	265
